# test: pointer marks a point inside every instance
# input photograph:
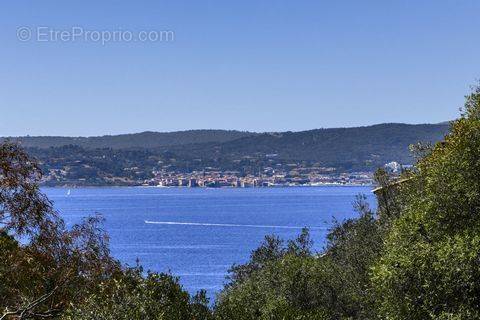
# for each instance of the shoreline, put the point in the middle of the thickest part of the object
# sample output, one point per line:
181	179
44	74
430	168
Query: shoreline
225	187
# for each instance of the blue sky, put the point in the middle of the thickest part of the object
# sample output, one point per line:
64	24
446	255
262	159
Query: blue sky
247	65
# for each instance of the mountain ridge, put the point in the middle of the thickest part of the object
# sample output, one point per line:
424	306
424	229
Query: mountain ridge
145	139
153	139
134	158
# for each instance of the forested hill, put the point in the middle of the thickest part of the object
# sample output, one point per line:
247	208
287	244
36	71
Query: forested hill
134	158
306	144
377	143
146	139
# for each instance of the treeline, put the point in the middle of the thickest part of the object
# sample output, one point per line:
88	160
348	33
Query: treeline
130	159
145	140
74	165
416	257
50	271
346	148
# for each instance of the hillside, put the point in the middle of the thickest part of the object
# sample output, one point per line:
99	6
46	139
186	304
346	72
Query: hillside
344	147
146	139
134	158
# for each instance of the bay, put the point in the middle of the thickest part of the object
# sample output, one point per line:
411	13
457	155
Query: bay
198	233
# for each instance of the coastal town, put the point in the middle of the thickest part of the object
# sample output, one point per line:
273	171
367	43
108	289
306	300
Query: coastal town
86	171
269	177
212	178
295	175
72	166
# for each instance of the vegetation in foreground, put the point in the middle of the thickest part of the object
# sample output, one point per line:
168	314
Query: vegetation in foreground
416	257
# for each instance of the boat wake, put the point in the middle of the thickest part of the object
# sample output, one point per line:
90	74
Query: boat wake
228	225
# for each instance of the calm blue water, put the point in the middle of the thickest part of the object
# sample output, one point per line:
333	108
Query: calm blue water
198	234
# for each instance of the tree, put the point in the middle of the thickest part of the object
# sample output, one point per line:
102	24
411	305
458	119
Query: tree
49	271
289	281
430	267
43	266
158	296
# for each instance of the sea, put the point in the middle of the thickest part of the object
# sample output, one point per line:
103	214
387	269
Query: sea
197	234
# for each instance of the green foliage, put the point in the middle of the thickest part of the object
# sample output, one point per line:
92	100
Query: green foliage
290	282
145	139
10	249
47	269
346	148
132	296
417	257
430	268
43	266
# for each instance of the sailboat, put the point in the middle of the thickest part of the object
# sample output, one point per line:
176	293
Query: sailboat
68	192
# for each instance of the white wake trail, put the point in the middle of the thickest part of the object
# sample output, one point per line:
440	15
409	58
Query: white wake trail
227	225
